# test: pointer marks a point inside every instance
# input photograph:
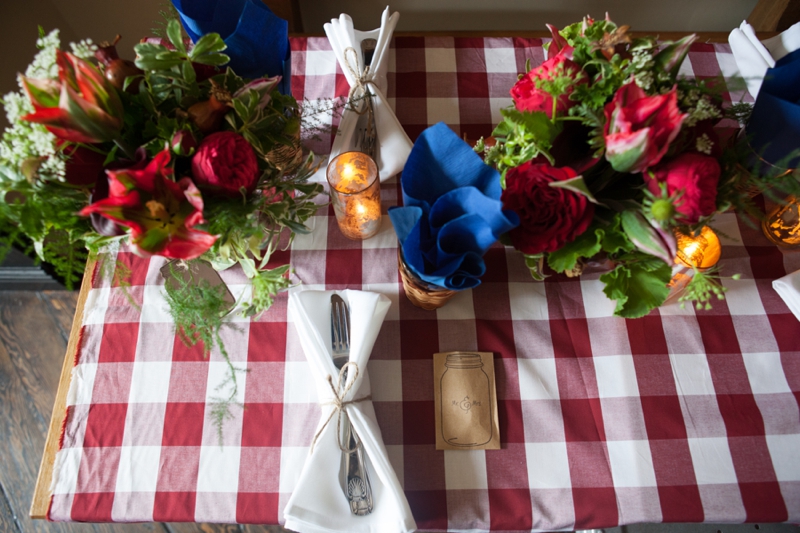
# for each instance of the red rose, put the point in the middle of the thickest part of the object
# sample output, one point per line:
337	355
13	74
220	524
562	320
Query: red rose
639	128
549	216
696	176
528	97
225	162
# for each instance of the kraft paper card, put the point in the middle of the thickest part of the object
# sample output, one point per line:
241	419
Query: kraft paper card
195	272
466	401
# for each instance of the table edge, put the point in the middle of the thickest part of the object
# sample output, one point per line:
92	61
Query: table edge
40	503
702	36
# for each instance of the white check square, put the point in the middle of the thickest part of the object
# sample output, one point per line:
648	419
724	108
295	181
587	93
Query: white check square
154	305
500	60
460	307
765	372
219	469
712	460
65	470
616	376
631	463
443	110
317	239
783	451
548	465
742	297
440	60
595	302
528	301
150	382
692	374
537	379
465	469
82	384
386	380
320	63
138	468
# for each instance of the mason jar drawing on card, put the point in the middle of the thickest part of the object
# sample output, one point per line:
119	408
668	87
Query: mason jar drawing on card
465	401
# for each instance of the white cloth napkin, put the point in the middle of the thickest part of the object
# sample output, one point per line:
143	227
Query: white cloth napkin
318	504
393	143
788	287
754	57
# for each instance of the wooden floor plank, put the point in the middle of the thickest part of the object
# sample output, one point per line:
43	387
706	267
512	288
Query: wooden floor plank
183	527
35	348
61	305
7	522
263	529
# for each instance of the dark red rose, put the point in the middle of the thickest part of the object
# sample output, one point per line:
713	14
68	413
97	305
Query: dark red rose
696	176
225	162
83	165
639	128
549	216
528	97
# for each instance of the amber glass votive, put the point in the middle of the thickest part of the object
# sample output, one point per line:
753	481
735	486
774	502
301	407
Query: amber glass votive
782	225
701	250
355	194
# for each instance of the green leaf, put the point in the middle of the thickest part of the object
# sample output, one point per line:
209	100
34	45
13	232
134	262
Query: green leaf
536	123
188	72
576	184
615	239
174	35
534	264
586	245
636	288
208	43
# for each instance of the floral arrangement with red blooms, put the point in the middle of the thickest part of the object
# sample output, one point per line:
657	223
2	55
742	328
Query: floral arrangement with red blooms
607	152
172	152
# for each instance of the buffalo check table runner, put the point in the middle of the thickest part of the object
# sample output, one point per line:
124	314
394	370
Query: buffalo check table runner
680	416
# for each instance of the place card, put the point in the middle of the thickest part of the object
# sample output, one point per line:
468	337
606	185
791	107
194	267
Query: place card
466	401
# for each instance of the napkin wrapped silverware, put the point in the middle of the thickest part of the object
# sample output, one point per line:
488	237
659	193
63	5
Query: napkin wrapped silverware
393	144
788	287
753	57
317	505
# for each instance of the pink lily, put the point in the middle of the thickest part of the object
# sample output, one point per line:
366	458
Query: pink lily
160	213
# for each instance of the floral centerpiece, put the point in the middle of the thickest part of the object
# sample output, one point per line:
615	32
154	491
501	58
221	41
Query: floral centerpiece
171	153
607	152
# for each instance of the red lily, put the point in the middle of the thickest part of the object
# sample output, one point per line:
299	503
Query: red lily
81	106
160	213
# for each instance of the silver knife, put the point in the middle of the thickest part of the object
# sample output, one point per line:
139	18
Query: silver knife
356	484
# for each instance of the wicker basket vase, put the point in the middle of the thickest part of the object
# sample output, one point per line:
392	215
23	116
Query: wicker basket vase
418	292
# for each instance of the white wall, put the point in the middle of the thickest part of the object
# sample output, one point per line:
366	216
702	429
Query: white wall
531	15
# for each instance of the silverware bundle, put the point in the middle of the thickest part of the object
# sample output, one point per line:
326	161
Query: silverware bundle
356	480
366	132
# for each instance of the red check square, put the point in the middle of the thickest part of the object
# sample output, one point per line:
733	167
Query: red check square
105	425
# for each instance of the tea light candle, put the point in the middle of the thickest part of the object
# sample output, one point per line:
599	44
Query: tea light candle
356	194
698	251
782	225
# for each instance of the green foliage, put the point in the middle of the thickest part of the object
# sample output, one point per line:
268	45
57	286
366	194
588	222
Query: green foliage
587	244
638	284
704	285
198	310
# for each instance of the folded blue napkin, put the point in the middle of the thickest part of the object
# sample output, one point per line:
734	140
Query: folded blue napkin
451	211
774	125
258	41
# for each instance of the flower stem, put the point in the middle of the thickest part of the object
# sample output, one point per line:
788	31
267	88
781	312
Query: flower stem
126	149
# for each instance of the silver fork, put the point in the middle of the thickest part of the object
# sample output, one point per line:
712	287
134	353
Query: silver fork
356	487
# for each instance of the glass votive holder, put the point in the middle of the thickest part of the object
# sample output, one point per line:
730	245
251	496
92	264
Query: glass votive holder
782	225
356	194
700	250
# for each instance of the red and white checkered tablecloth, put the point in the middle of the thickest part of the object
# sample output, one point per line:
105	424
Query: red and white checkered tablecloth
680	416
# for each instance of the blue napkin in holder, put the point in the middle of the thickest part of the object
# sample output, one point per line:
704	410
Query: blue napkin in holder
774	125
258	40
451	211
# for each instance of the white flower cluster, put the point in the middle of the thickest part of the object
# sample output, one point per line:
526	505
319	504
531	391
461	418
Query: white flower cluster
704	144
85	49
25	140
44	63
699	107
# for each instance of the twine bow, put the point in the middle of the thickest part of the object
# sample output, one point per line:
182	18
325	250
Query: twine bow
339	403
362	80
